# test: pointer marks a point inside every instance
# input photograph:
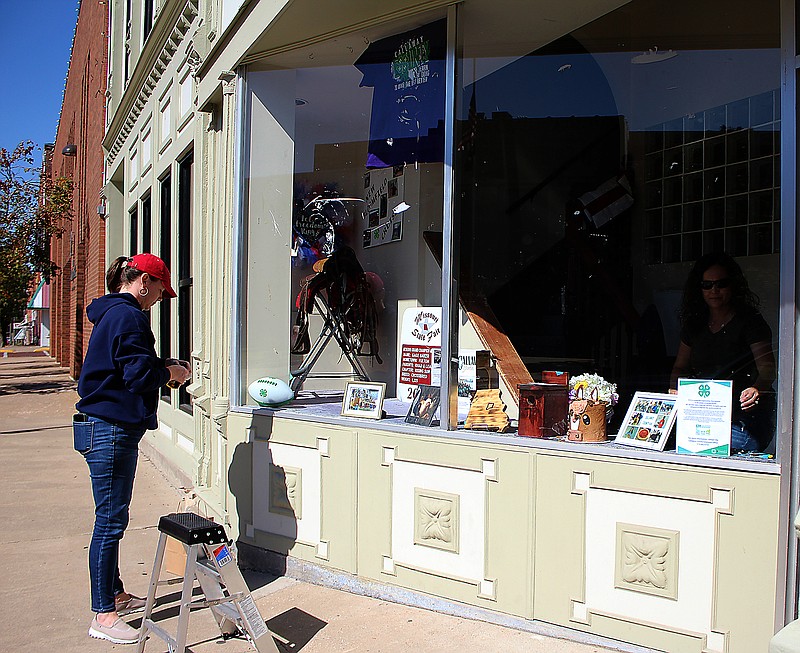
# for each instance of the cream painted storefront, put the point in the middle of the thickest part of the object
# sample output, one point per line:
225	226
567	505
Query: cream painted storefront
562	537
660	550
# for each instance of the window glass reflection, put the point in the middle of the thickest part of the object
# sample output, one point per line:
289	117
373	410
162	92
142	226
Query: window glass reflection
599	157
362	118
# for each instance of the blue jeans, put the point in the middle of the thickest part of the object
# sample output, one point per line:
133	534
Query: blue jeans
111	453
741	437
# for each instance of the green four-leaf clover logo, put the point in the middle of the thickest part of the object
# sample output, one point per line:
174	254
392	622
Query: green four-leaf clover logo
704	390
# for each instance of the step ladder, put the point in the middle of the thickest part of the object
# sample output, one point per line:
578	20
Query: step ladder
209	560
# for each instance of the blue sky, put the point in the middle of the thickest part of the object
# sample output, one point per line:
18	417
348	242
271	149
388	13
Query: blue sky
35	43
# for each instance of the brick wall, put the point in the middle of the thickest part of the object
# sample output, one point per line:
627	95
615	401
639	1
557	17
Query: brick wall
80	250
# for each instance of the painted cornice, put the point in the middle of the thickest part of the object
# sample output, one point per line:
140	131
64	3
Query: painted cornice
172	24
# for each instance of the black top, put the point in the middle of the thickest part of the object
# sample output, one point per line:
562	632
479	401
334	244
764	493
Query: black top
726	354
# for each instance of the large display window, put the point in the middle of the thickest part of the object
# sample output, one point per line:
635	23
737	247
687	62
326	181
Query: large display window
343	179
599	156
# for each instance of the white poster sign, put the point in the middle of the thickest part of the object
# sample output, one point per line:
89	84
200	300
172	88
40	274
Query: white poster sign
467	380
421	358
704	417
420	350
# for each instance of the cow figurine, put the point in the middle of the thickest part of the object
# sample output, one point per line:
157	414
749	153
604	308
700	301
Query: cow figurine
587	418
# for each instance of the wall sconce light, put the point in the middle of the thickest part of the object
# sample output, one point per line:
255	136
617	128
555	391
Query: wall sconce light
70	149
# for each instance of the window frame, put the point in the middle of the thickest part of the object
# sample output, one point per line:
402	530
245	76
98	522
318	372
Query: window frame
165	252
133	230
146	222
148	19
450	287
185	201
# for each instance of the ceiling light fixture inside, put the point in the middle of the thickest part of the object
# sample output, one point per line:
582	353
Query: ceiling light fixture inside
653	56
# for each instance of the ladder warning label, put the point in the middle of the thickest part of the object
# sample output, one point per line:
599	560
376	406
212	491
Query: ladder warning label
222	555
252	617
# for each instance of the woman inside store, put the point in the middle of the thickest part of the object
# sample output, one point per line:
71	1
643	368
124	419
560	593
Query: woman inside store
723	336
119	393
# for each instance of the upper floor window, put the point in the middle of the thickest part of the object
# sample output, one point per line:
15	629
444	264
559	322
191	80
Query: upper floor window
166	120
127	40
147	19
133	168
146	148
133	243
146	225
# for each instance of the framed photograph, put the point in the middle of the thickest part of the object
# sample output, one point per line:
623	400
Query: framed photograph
363	399
423	407
649	420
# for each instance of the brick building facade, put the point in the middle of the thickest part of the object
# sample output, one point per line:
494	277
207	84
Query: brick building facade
78	154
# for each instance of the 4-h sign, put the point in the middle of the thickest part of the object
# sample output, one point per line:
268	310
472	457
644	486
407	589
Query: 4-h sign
704	417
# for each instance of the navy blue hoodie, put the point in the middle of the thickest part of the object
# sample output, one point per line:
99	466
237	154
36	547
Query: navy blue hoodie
121	373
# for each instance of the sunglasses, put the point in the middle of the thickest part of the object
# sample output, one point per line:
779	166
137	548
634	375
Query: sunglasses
717	283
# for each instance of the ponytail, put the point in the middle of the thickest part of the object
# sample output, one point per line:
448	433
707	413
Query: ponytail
120	273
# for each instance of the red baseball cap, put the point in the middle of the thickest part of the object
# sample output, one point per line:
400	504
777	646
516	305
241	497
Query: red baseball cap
156	268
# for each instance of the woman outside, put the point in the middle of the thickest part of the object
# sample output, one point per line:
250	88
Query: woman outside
723	336
119	393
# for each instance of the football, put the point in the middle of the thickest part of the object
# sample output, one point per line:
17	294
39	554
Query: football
269	391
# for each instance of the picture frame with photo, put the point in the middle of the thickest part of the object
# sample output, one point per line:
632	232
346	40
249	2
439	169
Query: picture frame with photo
424	405
363	399
649	420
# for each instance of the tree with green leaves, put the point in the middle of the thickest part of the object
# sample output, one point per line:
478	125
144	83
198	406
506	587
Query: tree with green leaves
32	210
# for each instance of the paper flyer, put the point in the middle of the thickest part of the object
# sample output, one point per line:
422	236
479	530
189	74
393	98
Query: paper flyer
705	407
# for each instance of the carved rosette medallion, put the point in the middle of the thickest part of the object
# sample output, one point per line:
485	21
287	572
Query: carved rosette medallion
436	522
647	560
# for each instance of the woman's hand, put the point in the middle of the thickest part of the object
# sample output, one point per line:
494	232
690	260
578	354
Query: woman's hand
749	398
179	374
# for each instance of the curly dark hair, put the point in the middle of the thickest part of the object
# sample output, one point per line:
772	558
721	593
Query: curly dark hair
694	311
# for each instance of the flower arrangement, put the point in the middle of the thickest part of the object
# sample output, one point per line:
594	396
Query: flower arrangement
591	383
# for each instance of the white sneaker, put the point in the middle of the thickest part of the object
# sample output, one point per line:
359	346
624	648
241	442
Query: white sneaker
130	605
119	632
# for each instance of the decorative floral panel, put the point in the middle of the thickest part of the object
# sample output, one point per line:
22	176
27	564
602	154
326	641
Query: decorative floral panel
647	560
436	519
285	491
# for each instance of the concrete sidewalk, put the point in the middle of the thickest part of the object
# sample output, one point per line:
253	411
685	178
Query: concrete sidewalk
46	511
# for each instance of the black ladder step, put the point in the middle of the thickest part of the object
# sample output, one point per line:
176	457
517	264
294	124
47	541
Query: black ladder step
190	528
